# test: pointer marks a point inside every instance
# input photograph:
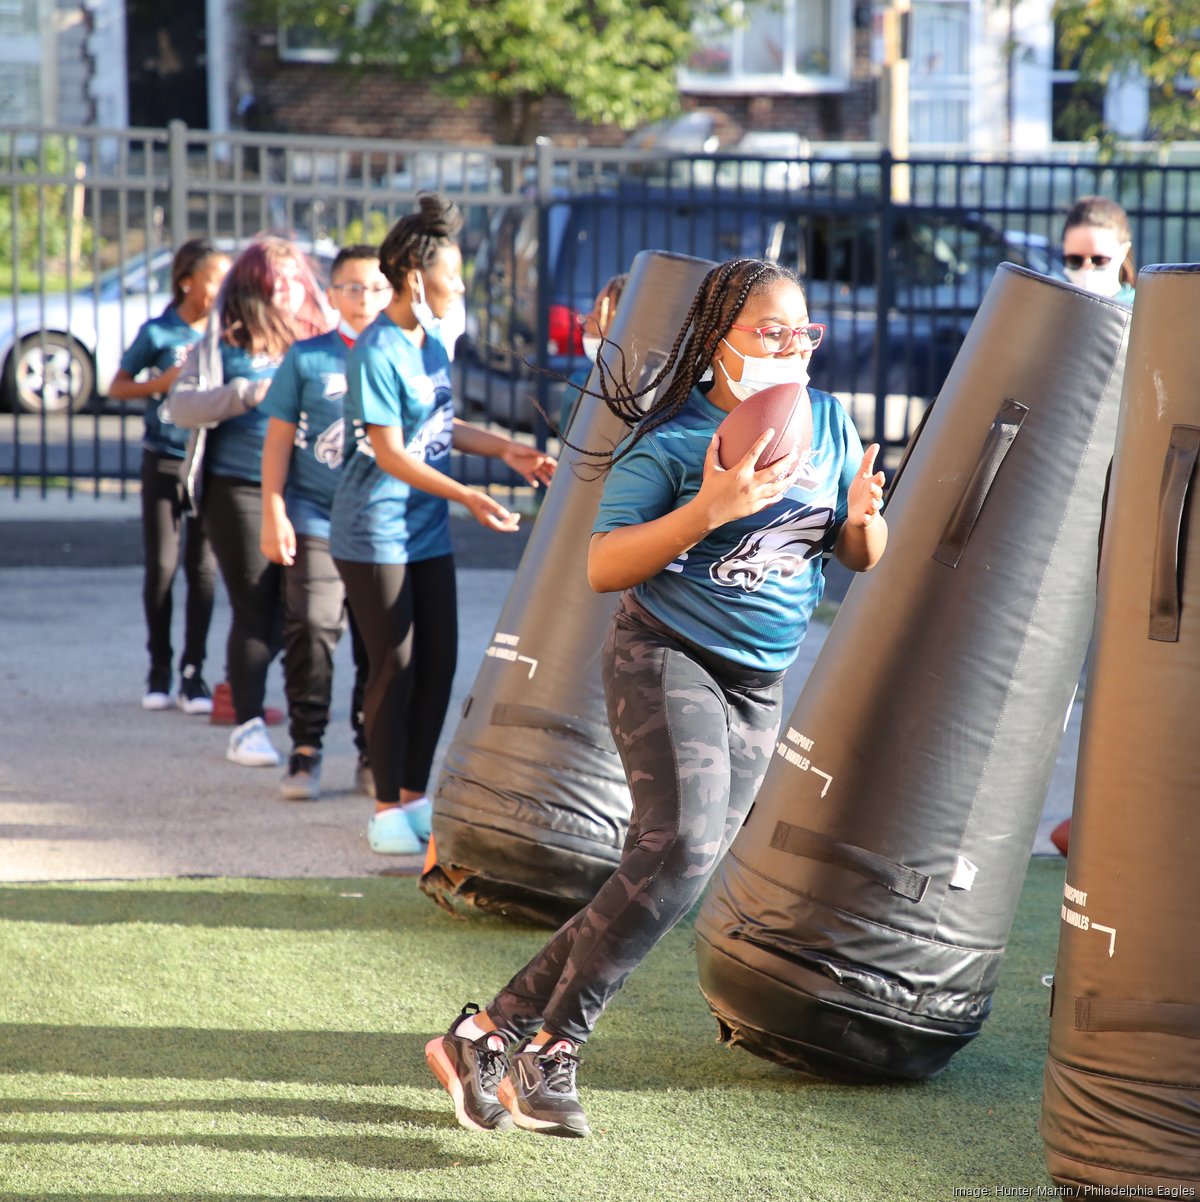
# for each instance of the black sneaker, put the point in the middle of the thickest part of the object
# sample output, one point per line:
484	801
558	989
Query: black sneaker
302	781
158	690
539	1090
471	1070
193	696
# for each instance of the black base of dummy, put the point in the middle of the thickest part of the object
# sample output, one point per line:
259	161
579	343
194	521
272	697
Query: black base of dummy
843	1041
513	873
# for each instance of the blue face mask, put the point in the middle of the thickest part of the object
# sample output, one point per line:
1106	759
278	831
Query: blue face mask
765	371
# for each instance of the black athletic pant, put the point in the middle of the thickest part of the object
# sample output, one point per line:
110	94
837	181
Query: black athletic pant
232	511
695	733
166	526
408	617
314	618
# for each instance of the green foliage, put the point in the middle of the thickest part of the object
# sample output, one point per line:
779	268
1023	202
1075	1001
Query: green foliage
372	231
1160	39
613	61
42	220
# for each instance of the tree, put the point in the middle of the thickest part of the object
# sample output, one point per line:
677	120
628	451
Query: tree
613	61
1159	39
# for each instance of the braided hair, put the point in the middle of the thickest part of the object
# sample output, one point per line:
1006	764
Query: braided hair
722	295
414	241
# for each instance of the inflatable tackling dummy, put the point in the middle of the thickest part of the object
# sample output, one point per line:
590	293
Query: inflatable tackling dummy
856	928
1121	1098
531	806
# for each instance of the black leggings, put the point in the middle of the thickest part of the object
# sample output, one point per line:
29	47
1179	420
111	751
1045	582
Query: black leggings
166	525
314	618
232	510
695	734
407	614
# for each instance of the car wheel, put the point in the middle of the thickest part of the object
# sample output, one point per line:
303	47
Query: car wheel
51	373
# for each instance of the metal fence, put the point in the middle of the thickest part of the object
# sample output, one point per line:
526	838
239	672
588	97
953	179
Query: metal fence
895	257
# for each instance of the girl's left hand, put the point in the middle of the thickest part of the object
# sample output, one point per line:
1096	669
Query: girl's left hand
536	466
865	498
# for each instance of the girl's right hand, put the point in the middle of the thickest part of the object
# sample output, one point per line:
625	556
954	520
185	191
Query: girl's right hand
277	540
490	513
739	491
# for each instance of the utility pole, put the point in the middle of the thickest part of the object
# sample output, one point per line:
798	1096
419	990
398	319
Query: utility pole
894	19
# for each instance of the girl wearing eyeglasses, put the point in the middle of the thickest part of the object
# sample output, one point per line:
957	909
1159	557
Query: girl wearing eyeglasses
302	458
719	572
1097	247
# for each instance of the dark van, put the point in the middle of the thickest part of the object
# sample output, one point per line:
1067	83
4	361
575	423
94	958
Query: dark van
939	264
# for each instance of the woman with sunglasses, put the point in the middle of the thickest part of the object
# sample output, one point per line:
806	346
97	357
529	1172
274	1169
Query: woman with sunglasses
1097	248
719	572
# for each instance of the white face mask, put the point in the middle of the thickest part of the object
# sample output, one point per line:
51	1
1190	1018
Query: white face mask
591	346
420	306
764	371
1106	282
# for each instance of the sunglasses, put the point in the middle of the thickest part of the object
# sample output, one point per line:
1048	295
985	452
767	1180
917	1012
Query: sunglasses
1075	262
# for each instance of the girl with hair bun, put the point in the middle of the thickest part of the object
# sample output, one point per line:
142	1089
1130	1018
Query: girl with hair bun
269	300
390	523
156	354
710	616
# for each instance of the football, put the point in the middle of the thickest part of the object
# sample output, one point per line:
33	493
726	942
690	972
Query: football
784	408
1060	836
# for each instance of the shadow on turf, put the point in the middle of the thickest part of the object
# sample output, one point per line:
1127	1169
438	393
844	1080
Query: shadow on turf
387	1152
326	1110
199	1054
369	906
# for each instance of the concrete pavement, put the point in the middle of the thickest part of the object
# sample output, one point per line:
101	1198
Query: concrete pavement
93	787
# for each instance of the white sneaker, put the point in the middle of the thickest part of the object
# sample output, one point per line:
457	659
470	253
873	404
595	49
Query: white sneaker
250	746
154	700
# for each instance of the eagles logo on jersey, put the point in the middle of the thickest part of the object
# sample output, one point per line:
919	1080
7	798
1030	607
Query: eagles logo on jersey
330	443
435	438
783	547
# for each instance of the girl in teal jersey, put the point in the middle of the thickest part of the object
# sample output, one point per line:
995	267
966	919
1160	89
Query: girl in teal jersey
269	299
155	355
390	524
719	571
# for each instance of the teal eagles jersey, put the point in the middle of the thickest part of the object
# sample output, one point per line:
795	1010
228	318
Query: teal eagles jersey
746	591
392	382
308	392
161	344
234	446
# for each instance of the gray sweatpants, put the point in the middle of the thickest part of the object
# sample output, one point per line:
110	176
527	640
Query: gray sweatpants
695	733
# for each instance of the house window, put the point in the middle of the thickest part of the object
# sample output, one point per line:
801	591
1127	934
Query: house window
1076	110
940	72
300	43
775	46
18	17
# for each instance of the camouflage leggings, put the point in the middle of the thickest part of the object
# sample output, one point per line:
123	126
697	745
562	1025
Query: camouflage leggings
695	733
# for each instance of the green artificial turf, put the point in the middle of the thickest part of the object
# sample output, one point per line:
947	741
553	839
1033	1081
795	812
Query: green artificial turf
255	1039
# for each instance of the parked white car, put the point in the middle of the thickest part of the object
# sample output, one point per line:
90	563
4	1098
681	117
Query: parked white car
61	349
56	349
